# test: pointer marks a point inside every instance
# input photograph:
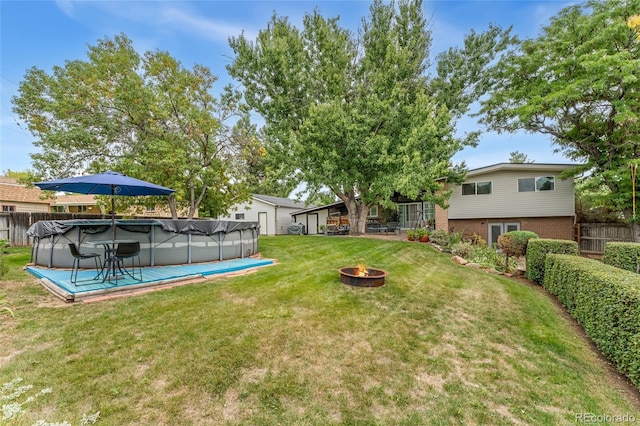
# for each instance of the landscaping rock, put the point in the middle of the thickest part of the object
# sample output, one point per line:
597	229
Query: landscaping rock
459	260
473	265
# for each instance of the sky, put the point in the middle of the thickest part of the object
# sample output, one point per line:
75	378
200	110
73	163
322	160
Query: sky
45	34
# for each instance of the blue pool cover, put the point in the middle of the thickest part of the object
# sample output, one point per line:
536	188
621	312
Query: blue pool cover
86	285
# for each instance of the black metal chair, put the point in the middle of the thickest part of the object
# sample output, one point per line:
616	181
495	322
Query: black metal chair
129	251
77	257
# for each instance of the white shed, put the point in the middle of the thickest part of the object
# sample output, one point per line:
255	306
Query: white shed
273	213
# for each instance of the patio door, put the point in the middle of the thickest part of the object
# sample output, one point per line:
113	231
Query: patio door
408	215
497	229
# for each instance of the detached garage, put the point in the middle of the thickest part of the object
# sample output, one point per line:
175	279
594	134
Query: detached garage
272	213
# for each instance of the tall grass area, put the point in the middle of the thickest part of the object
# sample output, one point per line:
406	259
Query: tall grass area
289	344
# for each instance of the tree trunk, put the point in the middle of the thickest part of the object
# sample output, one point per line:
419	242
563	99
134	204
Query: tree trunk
357	213
172	207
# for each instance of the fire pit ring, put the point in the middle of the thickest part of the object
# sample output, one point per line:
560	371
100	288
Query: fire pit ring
374	278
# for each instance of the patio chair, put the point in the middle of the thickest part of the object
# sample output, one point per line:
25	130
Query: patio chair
392	226
129	251
77	257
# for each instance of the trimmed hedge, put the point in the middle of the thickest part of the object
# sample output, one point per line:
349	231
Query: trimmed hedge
605	300
537	250
622	255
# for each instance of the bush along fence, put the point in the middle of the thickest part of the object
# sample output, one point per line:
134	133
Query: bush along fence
605	300
622	255
537	250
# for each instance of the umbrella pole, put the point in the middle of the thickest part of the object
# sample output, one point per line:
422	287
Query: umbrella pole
113	215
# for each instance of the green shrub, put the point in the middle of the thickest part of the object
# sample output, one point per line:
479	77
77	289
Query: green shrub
605	300
622	255
514	243
463	249
537	250
477	240
445	239
439	237
488	257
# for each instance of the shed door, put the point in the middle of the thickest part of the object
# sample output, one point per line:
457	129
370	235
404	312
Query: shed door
312	224
262	220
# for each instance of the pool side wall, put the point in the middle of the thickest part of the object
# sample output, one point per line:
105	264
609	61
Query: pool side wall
157	247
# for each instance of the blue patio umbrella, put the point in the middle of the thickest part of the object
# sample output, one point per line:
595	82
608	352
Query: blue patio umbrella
107	183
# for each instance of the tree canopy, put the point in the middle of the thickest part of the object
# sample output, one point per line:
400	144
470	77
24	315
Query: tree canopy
143	115
359	114
518	157
578	83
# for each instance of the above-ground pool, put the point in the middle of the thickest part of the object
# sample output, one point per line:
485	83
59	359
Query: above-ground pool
162	241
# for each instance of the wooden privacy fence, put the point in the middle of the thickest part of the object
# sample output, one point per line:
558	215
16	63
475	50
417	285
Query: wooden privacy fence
14	225
592	237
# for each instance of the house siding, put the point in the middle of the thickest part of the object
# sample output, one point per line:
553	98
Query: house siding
506	201
304	218
27	207
561	228
278	217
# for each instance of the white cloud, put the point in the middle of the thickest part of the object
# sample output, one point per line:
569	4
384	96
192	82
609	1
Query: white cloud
202	27
67	7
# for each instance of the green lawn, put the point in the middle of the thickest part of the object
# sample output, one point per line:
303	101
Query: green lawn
289	344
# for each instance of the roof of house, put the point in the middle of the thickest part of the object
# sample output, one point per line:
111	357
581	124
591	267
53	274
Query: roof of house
279	201
312	208
74	199
12	191
520	167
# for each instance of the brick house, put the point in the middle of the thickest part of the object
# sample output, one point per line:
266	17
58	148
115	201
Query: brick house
493	200
506	197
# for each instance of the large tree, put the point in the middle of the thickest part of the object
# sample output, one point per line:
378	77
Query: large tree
578	82
144	115
358	114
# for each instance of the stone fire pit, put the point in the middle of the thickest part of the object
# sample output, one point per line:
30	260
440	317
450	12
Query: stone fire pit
353	276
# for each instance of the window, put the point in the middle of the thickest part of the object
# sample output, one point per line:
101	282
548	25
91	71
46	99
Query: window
57	209
429	211
373	211
6	208
544	183
483	188
476	188
526	185
239	216
468	189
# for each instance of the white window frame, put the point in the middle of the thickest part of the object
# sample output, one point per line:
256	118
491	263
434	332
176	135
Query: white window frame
239	216
475	187
535	183
373	211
